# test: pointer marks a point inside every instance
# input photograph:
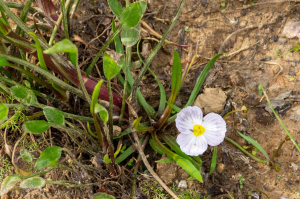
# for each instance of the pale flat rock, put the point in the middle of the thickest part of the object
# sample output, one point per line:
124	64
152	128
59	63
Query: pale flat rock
212	100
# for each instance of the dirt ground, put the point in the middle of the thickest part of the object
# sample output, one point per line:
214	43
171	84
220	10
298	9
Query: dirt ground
251	33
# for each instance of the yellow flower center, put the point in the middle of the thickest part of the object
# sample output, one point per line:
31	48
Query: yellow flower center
198	130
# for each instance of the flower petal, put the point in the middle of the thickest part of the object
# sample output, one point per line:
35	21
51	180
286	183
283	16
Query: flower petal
215	129
187	118
192	145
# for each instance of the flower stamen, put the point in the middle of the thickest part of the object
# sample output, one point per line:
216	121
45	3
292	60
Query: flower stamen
198	130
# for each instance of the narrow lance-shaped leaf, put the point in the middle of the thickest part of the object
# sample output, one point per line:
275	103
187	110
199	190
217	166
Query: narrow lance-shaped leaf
62	94
214	160
115	7
95	96
184	163
48	157
138	128
36	126
176	77
254	143
162	102
33	183
173	145
132	14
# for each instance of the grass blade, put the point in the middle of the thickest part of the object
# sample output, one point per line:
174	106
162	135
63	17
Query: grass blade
214	160
279	120
254	143
182	162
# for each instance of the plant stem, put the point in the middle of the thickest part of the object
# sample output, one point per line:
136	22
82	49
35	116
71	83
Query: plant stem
101	51
65	18
279	120
78	163
127	69
152	55
109	134
137	166
67	115
279	147
58	23
244	151
150	169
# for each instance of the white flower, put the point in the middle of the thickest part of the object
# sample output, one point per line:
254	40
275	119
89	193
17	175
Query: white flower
197	132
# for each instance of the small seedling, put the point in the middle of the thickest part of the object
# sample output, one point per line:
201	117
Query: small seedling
241	182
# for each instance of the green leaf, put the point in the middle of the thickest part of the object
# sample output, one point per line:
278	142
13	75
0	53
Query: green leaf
24	95
183	162
117	41
106	159
3	62
115	7
214	160
8	183
155	147
103	196
110	67
36	126
130	36
163	98
127	153
137	127
39	51
254	143
3	112
102	112
26	155
33	183
65	46
174	107
132	14
170	140
167	160
54	116
176	77
201	79
48	156
95	96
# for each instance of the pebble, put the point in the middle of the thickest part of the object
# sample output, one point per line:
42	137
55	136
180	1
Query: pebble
292	73
243	24
281	41
243	13
182	184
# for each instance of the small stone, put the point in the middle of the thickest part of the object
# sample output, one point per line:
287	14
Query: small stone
220	167
116	130
182	184
243	12
212	100
292	73
260	165
243	24
281	41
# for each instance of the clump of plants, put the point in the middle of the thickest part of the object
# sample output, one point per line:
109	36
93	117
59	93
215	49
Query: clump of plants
106	107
